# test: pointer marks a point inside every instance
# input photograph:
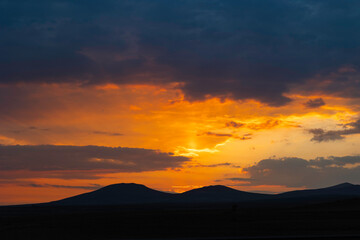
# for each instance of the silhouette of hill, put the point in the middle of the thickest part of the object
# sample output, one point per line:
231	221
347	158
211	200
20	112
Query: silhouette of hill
117	194
127	211
219	193
131	193
340	190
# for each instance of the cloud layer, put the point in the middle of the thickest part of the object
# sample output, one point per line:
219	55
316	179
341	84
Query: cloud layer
22	161
297	172
321	135
228	49
86	187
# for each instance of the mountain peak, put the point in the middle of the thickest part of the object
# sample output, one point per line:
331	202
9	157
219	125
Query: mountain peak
218	193
120	193
212	189
217	187
342	185
126	185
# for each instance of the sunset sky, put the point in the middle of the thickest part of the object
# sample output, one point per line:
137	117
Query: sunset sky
258	95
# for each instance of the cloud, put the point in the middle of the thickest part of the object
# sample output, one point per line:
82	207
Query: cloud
321	135
268	124
51	161
298	172
226	49
224	164
112	134
264	125
61	174
229	135
25	183
240	179
86	187
31	129
233	124
314	103
341	82
218	134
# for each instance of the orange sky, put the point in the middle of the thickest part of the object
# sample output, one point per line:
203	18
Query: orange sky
220	137
177	95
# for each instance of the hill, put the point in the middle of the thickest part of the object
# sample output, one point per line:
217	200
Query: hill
118	194
219	193
340	190
131	193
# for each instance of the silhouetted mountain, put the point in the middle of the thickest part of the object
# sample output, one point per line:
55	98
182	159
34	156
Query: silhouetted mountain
340	190
117	194
130	193
219	193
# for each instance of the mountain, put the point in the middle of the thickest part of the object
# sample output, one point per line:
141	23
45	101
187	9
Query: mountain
131	193
219	193
117	194
340	190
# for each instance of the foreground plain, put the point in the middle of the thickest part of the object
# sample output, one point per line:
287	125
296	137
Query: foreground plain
219	221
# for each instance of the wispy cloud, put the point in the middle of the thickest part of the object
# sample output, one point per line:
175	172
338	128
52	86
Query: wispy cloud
86	187
228	135
298	172
215	165
114	134
256	126
321	135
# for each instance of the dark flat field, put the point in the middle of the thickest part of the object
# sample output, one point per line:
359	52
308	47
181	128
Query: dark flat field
332	220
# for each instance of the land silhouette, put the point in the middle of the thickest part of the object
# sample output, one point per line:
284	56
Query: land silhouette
135	194
130	211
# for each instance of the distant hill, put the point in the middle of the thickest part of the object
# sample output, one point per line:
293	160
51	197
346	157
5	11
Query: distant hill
117	194
131	193
220	193
344	190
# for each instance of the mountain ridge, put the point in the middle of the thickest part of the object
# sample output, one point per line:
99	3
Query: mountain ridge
342	189
132	193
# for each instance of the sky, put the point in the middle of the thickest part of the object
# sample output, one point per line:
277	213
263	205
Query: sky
258	95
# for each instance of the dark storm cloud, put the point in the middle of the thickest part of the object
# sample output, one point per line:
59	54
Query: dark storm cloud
297	172
314	103
247	49
80	161
321	135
